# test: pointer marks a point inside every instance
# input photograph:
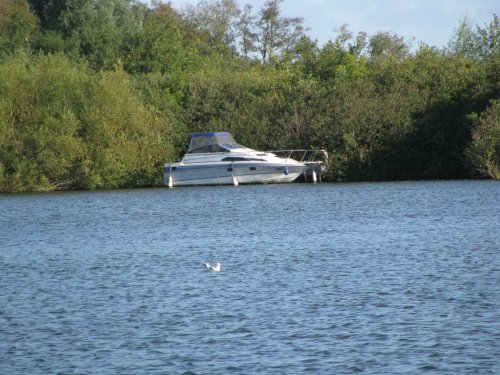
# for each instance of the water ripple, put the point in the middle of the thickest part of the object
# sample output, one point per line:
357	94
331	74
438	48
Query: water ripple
372	278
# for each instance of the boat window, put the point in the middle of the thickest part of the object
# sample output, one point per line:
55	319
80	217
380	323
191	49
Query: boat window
239	158
200	150
217	148
232	146
211	142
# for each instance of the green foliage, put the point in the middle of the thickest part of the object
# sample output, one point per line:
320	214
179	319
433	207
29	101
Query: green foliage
386	44
276	34
483	154
48	13
63	126
125	140
38	125
480	43
17	25
98	29
48	41
163	46
267	107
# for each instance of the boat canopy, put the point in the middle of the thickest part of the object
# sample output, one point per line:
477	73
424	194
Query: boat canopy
201	143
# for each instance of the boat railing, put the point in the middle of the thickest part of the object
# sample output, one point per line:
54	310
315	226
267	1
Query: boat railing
304	156
313	159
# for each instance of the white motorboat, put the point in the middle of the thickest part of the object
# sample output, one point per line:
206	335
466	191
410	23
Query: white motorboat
215	158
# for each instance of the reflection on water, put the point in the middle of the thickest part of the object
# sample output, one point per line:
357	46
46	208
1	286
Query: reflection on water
328	278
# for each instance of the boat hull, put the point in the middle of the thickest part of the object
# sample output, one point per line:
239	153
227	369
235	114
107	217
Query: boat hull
226	173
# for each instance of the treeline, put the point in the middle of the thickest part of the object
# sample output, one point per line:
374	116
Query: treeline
100	93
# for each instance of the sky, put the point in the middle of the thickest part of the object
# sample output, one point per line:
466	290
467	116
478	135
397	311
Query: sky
432	22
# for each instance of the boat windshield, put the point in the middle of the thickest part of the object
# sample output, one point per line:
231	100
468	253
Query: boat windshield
202	143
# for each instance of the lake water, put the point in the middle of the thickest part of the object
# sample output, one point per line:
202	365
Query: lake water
316	279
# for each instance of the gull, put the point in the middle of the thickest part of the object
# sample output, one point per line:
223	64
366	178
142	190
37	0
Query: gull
215	268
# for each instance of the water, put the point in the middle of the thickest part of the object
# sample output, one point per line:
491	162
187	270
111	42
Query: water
317	279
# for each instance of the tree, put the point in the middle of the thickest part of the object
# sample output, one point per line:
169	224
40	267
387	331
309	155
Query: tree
49	13
384	44
464	41
476	44
17	25
277	34
483	154
488	38
218	19
39	146
94	29
63	126
246	31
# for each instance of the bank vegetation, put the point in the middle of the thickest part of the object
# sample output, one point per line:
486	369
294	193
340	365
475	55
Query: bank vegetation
98	94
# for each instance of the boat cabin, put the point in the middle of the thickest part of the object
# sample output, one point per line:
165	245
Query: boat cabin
204	143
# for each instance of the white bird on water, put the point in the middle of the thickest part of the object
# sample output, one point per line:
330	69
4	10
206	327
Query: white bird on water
215	268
